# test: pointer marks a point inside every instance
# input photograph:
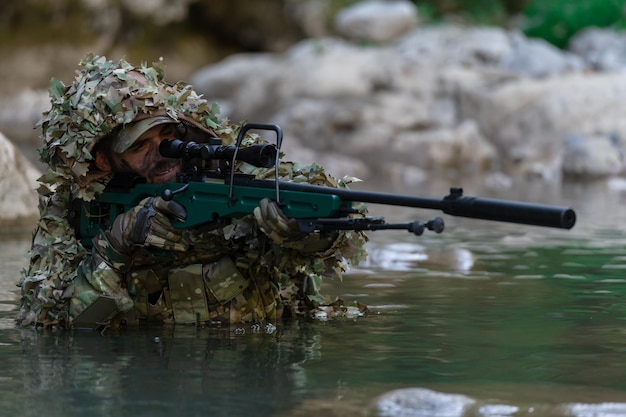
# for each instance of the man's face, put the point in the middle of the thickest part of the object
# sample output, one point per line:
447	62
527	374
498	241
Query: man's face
143	157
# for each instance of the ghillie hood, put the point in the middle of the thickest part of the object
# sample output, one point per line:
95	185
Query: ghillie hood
104	96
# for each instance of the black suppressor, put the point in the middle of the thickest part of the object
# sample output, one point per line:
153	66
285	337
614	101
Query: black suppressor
457	204
262	155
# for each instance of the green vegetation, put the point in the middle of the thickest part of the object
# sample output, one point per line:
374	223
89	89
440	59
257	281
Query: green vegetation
553	20
558	20
488	12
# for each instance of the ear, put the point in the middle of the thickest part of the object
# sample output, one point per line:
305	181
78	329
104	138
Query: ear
102	163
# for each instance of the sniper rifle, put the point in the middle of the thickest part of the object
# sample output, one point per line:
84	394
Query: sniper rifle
212	192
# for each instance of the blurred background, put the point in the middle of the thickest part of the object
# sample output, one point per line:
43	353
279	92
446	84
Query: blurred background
40	39
202	31
399	91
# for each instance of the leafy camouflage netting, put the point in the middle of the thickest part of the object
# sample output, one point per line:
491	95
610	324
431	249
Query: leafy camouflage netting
105	95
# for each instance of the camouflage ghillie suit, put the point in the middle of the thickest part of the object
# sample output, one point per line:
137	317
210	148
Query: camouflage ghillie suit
234	274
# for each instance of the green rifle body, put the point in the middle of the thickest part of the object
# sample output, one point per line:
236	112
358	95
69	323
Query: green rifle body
207	204
211	202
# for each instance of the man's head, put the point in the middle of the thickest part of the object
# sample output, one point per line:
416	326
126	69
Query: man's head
105	98
135	150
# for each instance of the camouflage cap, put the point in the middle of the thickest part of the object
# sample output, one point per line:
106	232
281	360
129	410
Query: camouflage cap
133	131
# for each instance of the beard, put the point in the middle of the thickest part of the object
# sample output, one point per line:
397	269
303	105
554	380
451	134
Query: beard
154	168
163	171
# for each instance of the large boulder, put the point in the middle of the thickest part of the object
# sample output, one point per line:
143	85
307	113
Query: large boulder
20	114
601	49
529	120
376	20
18	198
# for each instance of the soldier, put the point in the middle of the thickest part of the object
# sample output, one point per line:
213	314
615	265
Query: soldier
110	120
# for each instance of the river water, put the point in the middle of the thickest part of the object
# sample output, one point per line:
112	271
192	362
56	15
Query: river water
504	319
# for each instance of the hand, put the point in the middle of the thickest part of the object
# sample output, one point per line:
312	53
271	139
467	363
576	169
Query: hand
148	224
274	223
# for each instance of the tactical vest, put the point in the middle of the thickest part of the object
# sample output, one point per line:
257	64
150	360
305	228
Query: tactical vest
215	292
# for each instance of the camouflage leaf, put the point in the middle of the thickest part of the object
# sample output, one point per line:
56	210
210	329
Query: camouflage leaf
57	88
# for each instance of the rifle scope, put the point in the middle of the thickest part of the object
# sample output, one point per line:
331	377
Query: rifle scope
262	155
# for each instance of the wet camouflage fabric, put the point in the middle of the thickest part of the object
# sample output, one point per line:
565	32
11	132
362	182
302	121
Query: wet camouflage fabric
63	278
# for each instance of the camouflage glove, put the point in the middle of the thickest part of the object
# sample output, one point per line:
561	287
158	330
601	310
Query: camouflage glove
148	224
274	223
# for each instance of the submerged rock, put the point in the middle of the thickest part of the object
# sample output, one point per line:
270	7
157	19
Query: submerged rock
422	402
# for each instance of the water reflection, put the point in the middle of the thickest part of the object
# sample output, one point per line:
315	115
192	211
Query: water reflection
163	372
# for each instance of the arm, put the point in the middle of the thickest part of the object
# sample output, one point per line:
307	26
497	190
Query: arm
55	256
63	278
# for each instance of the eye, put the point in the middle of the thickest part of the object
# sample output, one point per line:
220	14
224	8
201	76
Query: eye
168	131
168	134
138	145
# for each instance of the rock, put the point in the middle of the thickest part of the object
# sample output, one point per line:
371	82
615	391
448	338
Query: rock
529	120
601	49
451	45
462	149
159	11
329	68
21	112
239	85
485	47
538	58
593	409
321	124
223	80
18	179
376	20
422	402
593	157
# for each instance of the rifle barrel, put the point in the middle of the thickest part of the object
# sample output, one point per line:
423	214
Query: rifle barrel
454	204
